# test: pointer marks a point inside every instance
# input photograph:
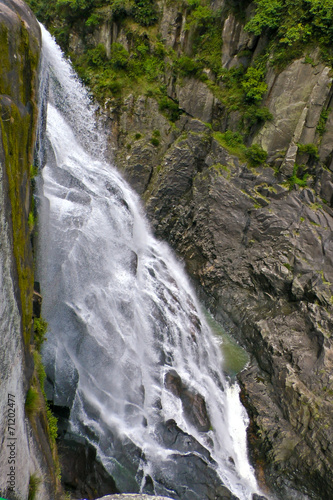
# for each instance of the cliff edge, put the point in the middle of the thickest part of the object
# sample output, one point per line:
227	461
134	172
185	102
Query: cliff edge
27	466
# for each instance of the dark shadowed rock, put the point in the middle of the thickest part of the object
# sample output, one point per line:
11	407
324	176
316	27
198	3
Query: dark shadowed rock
189	474
81	473
194	405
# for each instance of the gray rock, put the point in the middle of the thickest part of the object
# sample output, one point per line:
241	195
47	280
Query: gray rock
196	99
235	40
259	251
295	98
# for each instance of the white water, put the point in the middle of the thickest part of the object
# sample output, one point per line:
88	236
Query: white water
121	311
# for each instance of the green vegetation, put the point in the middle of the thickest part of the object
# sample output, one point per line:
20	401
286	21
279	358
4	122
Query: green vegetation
310	149
294	179
233	142
255	155
17	135
155	142
170	108
321	127
292	25
34	483
254	84
141	65
40	328
32	402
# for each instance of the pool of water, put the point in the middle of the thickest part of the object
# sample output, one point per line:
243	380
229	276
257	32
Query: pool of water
234	356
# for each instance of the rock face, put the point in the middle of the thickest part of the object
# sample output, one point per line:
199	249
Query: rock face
263	255
25	455
256	241
194	405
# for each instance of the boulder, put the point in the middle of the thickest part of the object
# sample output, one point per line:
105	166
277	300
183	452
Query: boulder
194	405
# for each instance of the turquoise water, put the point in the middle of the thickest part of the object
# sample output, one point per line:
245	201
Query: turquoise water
234	356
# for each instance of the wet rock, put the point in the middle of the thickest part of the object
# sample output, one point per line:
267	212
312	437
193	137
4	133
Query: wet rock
37	300
81	473
189	474
269	275
133	262
194	405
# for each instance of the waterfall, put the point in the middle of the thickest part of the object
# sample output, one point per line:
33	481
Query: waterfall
129	350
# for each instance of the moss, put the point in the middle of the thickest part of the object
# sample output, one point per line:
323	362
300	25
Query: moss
34	484
223	170
232	142
32	402
316	206
17	131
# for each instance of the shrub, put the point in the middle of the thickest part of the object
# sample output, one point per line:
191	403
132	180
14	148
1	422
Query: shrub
119	56
321	127
268	13
256	155
53	424
294	23
232	138
170	108
254	115
310	149
254	84
96	57
294	179
121	8
144	12
40	328
186	66
155	142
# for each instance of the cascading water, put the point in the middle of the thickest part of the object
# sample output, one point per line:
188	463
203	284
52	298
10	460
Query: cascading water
128	349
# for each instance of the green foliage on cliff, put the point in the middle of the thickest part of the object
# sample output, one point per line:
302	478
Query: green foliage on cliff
254	84
299	179
143	62
234	143
294	24
17	135
34	484
52	421
40	329
310	149
32	401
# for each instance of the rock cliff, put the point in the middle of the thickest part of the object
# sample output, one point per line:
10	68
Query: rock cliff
26	461
232	155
